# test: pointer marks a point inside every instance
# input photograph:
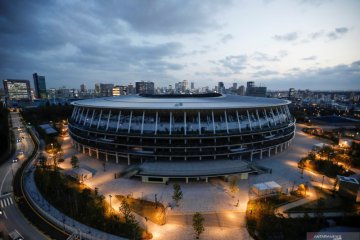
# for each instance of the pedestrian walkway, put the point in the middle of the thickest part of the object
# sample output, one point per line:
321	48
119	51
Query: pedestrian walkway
5	202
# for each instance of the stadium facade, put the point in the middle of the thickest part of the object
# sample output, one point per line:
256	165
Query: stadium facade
138	128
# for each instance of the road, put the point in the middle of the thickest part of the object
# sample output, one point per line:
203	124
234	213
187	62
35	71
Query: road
12	217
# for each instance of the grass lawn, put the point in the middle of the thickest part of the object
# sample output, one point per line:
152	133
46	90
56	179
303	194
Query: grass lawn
147	209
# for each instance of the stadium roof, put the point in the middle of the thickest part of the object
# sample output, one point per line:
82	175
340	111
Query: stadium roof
178	102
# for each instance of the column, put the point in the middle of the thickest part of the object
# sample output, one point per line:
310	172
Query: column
97	153
118	122
106	157
128	158
227	125
83	149
130	122
267	119
187	180
276	147
98	124
237	115
261	154
213	121
92	118
117	157
199	123
269	152
185	122
257	114
142	123
273	116
108	121
278	115
73	113
251	156
170	122
79	114
87	112
156	123
247	111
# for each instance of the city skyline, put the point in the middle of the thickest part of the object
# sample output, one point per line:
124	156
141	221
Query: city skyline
278	44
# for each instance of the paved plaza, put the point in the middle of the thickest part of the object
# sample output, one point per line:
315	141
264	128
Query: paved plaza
224	217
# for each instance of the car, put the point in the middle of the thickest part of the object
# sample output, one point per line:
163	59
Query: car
15	160
21	152
1	212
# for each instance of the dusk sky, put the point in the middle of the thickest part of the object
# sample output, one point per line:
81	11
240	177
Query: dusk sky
278	44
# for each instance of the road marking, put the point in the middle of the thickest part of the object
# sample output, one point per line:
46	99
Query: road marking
11	201
1	203
2	183
5	202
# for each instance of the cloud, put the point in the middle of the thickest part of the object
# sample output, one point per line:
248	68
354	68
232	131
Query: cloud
311	58
263	57
288	37
227	37
337	33
234	63
316	35
264	73
327	78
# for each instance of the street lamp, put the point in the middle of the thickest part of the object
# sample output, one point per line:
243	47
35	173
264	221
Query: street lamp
110	196
322	182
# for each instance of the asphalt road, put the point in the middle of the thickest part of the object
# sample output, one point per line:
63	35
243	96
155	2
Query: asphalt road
12	218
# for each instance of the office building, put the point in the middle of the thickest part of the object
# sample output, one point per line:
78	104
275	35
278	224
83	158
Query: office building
145	87
40	86
253	91
17	89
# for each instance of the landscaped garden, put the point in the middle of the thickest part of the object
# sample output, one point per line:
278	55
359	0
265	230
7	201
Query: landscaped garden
86	205
262	223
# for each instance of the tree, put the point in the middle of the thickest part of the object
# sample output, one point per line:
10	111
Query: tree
177	196
198	224
126	211
74	161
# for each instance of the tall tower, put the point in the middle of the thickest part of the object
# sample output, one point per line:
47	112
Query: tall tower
40	86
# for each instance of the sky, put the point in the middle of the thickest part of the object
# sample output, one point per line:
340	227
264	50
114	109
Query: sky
276	43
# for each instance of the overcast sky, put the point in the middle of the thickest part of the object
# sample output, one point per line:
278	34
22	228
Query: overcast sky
278	44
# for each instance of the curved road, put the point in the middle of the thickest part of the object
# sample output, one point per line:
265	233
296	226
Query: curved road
12	218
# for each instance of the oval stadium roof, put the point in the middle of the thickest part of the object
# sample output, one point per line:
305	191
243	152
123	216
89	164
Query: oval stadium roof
173	103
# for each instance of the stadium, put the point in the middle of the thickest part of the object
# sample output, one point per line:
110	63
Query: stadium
181	128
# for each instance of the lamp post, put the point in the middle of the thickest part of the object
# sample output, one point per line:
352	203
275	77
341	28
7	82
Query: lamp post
322	182
110	196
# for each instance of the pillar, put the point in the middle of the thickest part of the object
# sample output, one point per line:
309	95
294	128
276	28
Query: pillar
206	179
117	157
260	154
106	157
83	149
97	153
251	156
128	157
276	147
269	152
187	180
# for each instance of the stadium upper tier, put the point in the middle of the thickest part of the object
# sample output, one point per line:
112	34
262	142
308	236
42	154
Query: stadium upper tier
180	127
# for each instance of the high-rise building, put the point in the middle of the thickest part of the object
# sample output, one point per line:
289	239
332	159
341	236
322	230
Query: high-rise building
130	89
17	89
82	88
119	90
241	90
145	87
97	88
40	86
106	89
234	87
192	85
221	87
185	85
252	90
292	92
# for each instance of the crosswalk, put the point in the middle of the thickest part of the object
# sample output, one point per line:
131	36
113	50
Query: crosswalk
5	202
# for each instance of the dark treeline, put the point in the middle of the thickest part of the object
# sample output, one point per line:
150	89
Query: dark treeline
45	114
4	133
